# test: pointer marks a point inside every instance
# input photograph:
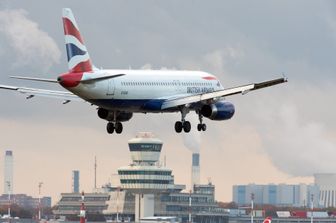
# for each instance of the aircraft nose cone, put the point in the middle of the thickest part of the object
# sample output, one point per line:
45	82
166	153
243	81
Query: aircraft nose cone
70	80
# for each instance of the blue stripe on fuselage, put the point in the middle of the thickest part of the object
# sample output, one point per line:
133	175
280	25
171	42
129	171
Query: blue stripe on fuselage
130	104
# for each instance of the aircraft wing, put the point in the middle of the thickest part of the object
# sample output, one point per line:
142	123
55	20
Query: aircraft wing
222	93
31	92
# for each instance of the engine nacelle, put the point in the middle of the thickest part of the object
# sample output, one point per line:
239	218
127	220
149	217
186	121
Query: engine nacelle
221	110
109	115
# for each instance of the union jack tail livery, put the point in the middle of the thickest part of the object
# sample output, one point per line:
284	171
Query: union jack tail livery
267	220
78	56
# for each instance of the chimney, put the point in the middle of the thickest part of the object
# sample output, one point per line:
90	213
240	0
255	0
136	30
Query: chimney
195	169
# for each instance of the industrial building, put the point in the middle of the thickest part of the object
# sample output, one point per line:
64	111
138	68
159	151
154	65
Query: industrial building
322	192
279	195
327	185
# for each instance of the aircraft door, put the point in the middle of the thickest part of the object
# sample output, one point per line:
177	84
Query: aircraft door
110	87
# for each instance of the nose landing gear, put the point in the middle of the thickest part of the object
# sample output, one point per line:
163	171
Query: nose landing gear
201	126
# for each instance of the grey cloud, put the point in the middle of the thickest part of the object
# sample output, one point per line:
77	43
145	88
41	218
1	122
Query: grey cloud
32	46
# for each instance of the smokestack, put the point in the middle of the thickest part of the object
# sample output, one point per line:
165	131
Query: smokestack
195	169
75	181
8	172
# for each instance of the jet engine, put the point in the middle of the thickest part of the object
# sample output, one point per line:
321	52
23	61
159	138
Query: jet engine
221	110
121	116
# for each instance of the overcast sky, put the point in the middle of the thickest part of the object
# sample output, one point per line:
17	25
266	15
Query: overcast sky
282	134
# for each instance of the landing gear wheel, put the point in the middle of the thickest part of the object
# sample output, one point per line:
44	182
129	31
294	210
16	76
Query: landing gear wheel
186	126
110	127
204	127
118	127
178	127
199	127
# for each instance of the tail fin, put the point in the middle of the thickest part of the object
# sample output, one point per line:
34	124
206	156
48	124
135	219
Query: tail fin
78	56
267	220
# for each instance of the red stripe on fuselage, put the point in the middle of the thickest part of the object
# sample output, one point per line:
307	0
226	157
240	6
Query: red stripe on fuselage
70	29
82	67
209	78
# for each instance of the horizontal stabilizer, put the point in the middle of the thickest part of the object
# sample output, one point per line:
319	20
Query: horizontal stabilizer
93	79
85	81
34	79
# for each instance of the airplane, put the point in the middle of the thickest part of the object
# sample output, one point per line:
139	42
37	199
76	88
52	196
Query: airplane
118	94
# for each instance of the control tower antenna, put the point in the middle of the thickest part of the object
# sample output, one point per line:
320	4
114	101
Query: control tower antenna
95	173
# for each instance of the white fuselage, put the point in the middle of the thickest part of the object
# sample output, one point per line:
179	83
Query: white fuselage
132	90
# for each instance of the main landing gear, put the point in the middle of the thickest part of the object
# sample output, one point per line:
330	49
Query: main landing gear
185	125
111	127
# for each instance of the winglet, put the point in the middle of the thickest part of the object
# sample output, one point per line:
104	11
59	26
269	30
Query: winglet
284	77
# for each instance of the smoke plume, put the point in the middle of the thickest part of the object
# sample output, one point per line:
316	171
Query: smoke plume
32	46
192	140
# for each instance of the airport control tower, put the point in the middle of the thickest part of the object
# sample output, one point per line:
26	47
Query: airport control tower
145	176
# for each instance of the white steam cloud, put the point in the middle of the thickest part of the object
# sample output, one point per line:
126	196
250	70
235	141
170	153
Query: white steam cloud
192	140
32	46
297	148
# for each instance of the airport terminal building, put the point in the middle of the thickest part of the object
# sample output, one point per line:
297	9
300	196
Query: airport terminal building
147	189
203	207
